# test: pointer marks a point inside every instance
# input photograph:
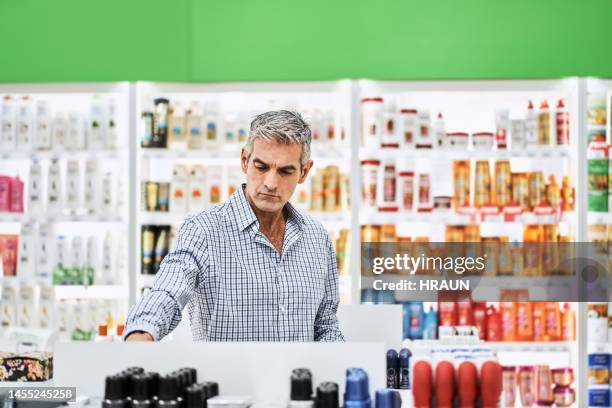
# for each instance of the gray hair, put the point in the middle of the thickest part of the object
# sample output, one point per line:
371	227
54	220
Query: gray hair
281	126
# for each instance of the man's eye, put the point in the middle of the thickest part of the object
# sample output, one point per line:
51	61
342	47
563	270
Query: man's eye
260	167
286	172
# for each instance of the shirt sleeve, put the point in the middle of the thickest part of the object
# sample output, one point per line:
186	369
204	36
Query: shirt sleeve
160	310
326	323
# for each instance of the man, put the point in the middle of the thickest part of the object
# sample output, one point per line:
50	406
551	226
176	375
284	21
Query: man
252	268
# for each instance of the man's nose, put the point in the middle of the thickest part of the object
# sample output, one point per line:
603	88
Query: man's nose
271	180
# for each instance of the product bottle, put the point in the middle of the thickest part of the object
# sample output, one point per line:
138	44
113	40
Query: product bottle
167	394
230	128
327	395
467	384
198	197
108	260
16	197
44	254
5	194
502	122
42	139
392	369
562	122
544	132
390	136
539	321
73	186
161	249
531	127
75	139
445	384
194	397
142	388
115	392
97	125
113	133
494	325
178	190
598	172
91	187
417	317
26	252
8	139
60	275
439	132
404	369
59	132
211	121
553	321
54	189
108	194
301	389
92	262
431	325
357	390
147	136
177	138
194	126
78	260
568	323
387	399
148	247
422	384
491	385
24	125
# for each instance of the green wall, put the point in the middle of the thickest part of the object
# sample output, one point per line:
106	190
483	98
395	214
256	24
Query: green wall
254	40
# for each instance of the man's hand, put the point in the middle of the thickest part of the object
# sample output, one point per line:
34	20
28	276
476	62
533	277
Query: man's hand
139	336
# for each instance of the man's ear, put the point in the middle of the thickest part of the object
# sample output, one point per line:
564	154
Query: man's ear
244	160
305	171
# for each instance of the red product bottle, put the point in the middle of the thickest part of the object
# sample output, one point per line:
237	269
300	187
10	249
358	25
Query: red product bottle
467	385
16	204
480	319
422	384
465	314
5	193
494	329
562	121
445	384
490	384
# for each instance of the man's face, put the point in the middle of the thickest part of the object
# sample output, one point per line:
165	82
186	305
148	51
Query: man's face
273	171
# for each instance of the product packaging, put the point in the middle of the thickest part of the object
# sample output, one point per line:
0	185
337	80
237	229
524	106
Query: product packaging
30	366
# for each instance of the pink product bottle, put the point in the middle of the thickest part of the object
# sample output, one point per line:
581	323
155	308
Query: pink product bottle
16	201
5	194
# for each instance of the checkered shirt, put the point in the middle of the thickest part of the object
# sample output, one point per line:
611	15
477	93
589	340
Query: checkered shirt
236	285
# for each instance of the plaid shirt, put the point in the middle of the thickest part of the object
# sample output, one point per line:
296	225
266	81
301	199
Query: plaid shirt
236	285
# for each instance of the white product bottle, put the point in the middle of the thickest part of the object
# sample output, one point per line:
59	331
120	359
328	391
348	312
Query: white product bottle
8	138
122	260
73	186
372	121
35	197
46	309
331	135
194	126
26	315
113	132
243	128
424	137
59	132
317	129
8	304
439	132
211	121
91	187
198	189
61	253
75	140
108	194
108	258
54	189
24	125
44	252
214	182
178	190
235	178
390	136
531	127
177	135
27	252
230	129
42	140
97	125
77	258
92	261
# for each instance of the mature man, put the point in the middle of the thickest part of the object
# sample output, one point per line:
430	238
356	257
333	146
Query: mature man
252	268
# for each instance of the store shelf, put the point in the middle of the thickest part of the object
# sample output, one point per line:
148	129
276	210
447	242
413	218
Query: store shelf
457	154
72	155
161	218
531	346
596	128
23	218
91	292
453	218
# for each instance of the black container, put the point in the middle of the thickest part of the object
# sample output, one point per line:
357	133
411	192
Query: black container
115	392
327	395
167	391
141	391
301	384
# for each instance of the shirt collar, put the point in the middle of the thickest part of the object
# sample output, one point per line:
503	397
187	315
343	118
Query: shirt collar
245	215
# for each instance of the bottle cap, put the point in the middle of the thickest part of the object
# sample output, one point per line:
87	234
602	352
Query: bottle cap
404	358
301	384
154	382
357	388
211	389
387	398
392	359
194	397
327	395
141	387
193	374
135	370
114	387
167	388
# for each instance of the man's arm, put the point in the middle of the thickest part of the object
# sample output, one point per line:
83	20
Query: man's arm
326	323
159	311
